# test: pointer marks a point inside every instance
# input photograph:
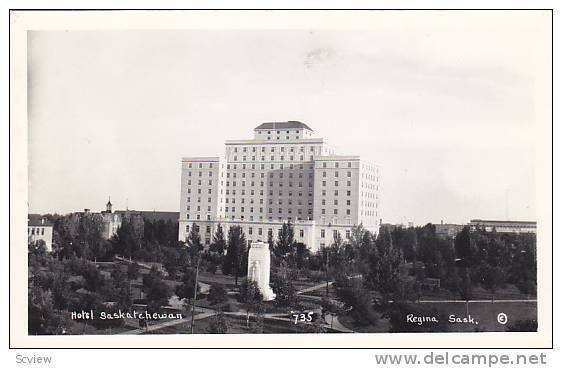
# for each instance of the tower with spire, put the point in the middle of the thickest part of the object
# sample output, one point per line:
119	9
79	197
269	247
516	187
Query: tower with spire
108	205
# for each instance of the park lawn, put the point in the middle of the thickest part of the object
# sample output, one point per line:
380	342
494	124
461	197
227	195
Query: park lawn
383	324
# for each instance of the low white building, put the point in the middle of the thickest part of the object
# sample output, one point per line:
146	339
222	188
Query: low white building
38	228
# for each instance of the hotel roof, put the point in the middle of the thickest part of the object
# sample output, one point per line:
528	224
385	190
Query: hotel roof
291	124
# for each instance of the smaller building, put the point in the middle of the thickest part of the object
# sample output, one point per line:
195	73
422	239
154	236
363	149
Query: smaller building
111	221
39	228
504	226
447	231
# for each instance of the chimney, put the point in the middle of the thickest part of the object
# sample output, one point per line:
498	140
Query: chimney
441	222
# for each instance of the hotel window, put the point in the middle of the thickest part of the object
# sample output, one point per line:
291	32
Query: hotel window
189	182
349	164
335	234
210	182
200	166
198	217
335	202
348	202
322	233
337	165
335	211
323	164
208	230
301	233
323	174
347	234
335	192
250	231
323	192
323	183
349	183
336	183
336	174
323	202
349	174
189	165
349	193
323	211
348	211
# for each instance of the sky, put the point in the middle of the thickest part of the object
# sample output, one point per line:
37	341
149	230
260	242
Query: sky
448	112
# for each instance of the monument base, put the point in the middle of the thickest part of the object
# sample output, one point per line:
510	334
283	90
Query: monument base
268	294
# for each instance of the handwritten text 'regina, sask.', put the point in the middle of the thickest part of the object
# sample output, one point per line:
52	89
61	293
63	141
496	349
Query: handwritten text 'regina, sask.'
420	320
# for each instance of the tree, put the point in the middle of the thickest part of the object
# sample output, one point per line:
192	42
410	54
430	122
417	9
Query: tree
252	299
218	245
464	248
218	324
236	259
302	253
133	271
355	297
186	290
285	291
60	292
194	245
125	240
171	261
385	262
217	295
285	240
157	291
492	277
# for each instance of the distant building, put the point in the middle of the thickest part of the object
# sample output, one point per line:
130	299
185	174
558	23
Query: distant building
447	230
38	228
504	226
111	221
151	215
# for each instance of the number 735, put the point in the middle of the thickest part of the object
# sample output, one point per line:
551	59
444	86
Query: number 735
303	317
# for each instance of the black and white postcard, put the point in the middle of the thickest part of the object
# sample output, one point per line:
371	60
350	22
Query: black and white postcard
281	178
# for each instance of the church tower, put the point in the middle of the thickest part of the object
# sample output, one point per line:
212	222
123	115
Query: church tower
108	206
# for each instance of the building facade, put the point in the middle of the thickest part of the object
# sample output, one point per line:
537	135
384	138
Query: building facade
39	228
504	226
283	174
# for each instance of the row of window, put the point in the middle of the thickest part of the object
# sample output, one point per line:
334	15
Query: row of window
273	149
336	164
200	165
36	230
300	233
262	166
336	183
272	158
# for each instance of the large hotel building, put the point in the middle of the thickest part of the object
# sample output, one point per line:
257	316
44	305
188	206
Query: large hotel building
283	174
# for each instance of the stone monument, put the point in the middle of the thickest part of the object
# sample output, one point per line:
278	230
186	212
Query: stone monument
258	268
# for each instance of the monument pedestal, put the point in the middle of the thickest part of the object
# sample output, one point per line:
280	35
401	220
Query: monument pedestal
259	268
